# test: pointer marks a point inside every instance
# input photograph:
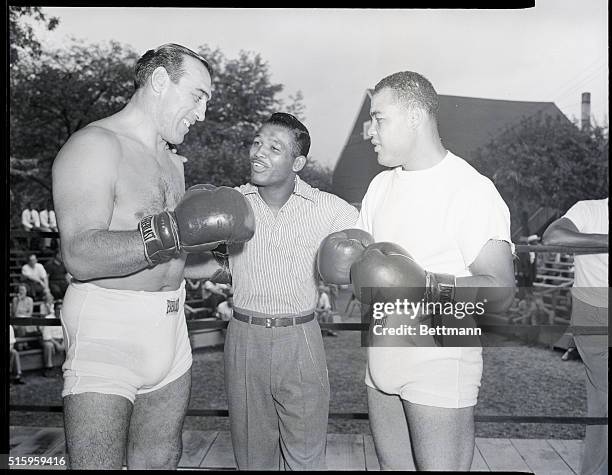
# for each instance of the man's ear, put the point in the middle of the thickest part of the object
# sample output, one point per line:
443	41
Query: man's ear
416	116
159	79
298	163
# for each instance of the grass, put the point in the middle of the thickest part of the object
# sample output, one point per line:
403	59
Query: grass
518	380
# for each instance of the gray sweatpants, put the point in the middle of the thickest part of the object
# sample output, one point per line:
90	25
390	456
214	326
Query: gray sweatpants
278	396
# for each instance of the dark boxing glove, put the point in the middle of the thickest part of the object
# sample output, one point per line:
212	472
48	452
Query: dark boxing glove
159	234
337	253
392	273
206	217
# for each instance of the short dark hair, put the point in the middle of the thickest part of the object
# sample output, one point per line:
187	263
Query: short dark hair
301	137
171	57
412	89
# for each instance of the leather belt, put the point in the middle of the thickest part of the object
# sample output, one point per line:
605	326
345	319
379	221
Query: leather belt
269	322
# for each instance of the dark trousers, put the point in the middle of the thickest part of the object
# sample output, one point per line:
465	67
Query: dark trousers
278	396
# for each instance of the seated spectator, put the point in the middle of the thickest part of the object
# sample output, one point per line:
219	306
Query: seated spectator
53	221
26	218
333	296
212	297
533	310
22	306
193	288
45	225
52	339
35	275
15	362
57	275
323	310
352	305
225	309
30	221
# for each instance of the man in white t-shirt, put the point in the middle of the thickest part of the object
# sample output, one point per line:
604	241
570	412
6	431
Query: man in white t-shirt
35	275
586	225
456	227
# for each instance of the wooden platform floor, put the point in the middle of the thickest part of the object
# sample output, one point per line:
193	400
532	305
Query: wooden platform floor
213	450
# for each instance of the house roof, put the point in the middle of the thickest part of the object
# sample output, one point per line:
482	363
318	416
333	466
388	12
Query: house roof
465	125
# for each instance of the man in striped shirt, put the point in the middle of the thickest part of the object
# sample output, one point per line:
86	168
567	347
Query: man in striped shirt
275	367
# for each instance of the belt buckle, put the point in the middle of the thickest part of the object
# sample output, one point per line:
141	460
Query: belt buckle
268	322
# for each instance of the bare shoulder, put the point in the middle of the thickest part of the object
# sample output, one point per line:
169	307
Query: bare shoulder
92	145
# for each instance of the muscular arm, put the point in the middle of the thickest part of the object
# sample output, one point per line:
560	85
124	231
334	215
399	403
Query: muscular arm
563	232
492	279
84	176
202	265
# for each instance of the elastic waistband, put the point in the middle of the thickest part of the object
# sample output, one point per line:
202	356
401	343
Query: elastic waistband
89	287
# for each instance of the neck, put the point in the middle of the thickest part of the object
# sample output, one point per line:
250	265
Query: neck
275	196
136	118
427	153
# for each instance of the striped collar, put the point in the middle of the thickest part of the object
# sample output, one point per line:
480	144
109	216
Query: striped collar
301	188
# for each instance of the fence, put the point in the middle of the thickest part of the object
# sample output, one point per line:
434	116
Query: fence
199	325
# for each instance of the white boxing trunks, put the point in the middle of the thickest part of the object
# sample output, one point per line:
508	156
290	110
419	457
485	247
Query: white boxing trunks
440	377
123	342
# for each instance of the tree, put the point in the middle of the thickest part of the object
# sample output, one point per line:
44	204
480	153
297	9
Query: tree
64	90
243	97
317	175
21	35
52	98
547	162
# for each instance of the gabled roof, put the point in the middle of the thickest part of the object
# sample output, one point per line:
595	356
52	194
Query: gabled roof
465	124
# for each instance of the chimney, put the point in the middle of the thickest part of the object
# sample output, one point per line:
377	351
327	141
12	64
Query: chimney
585	122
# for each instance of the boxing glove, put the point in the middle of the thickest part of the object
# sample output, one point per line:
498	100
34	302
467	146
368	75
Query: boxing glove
206	217
337	253
392	273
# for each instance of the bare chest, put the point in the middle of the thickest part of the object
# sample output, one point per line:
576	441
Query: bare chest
146	185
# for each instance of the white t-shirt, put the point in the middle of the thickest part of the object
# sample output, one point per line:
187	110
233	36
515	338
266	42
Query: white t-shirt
52	220
323	303
590	270
224	311
44	218
443	216
37	273
35	219
50	332
26	219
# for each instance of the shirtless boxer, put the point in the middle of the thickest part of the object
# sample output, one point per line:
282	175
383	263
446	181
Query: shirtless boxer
125	222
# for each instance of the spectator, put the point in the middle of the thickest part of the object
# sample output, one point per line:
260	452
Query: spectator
333	296
45	224
52	339
533	312
22	306
57	275
323	310
35	275
585	225
53	221
217	294
26	218
15	362
352	304
30	221
225	309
